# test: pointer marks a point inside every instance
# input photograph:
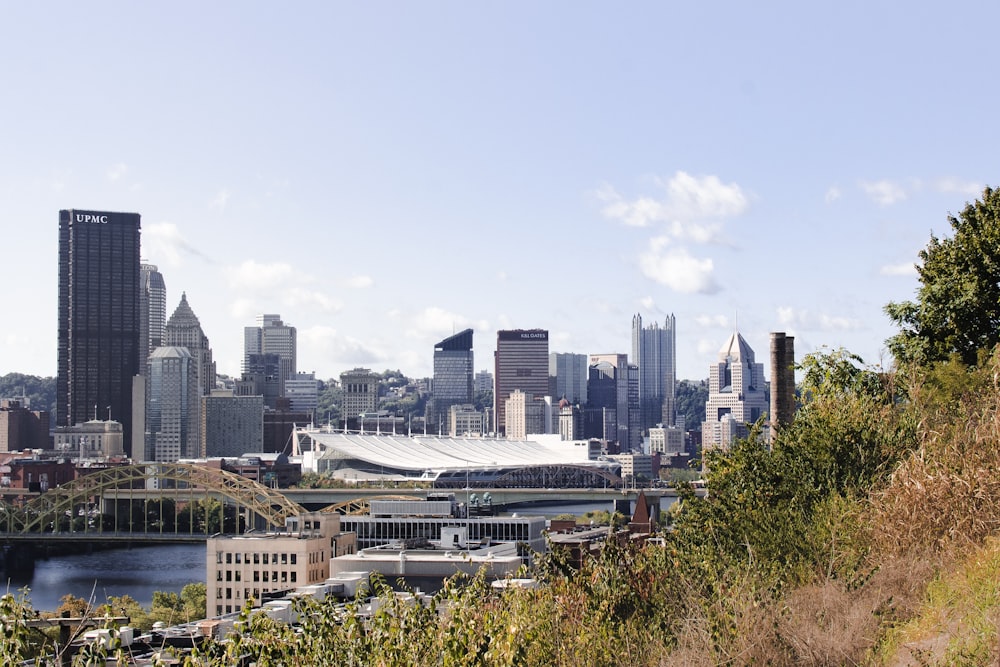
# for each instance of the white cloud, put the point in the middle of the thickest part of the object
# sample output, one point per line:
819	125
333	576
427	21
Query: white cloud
256	275
832	195
884	193
687	199
220	200
360	282
647	302
275	282
117	172
309	299
792	318
437	321
163	244
334	350
953	185
677	269
903	269
713	321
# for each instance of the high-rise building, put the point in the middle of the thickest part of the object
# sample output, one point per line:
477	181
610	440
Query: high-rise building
522	362
613	384
184	330
483	381
302	392
525	415
272	336
99	318
452	384
360	393
568	376
152	312
173	412
261	377
737	394
231	426
654	352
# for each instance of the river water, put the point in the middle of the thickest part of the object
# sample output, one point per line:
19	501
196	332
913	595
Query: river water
140	571
137	572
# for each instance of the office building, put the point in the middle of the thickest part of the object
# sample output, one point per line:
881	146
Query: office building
280	425
521	362
360	393
570	421
654	352
272	336
302	392
98	318
21	427
184	330
526	414
174	406
244	568
568	376
452	384
261	377
464	421
737	394
613	384
668	442
483	381
90	440
231	425
152	312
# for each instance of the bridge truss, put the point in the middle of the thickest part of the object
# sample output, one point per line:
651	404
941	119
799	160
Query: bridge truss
168	497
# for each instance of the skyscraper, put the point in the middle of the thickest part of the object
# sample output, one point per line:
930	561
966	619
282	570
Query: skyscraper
737	394
453	372
568	376
152	312
613	383
184	330
522	362
654	351
173	413
272	336
99	318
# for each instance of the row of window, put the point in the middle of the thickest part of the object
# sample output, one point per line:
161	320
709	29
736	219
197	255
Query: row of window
257	558
258	575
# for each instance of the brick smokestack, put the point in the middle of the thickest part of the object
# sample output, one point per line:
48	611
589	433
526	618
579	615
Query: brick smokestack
782	381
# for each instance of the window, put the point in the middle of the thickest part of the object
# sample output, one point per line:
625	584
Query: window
229	558
293	557
293	576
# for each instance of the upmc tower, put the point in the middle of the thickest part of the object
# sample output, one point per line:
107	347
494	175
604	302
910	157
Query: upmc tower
99	289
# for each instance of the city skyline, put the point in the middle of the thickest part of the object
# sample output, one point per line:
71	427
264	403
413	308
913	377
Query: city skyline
385	179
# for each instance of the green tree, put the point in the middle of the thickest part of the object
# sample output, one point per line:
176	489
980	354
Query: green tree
691	398
957	310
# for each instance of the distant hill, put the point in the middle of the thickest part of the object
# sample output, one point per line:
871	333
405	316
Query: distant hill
40	391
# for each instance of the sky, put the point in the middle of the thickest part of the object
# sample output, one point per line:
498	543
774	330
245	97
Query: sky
386	174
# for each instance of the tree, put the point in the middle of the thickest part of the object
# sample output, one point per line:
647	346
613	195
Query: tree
957	311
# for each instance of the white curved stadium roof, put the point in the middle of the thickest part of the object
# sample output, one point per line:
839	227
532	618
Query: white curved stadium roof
422	453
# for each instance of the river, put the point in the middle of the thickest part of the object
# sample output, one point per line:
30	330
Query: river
140	571
137	572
